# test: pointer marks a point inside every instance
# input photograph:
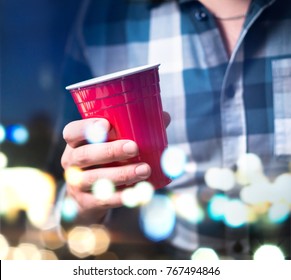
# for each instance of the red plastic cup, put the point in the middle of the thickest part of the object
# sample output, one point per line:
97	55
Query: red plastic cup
130	100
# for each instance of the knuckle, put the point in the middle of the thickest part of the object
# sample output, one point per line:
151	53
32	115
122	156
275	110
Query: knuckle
110	151
81	155
124	175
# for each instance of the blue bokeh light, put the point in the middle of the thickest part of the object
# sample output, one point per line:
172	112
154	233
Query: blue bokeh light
158	218
216	207
17	134
69	210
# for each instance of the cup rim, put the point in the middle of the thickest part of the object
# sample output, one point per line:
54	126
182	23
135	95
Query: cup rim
112	76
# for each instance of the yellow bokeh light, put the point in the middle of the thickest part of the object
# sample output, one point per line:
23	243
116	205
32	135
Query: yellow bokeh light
102	239
16	253
81	241
73	175
4	247
28	189
53	239
30	251
48	255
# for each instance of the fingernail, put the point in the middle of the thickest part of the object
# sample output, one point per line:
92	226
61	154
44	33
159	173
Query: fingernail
143	170
130	148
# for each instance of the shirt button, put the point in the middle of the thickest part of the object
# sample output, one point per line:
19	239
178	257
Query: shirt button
200	15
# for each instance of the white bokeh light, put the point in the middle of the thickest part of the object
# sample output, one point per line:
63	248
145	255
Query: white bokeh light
3	160
278	212
269	253
205	254
236	213
249	169
216	207
129	198
187	207
220	178
103	189
173	162
144	191
96	133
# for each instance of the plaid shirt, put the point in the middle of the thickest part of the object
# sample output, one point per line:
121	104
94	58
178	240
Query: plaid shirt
221	107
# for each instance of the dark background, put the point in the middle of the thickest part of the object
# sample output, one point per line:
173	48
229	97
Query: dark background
33	41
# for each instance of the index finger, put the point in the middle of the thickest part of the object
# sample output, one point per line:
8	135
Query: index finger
92	130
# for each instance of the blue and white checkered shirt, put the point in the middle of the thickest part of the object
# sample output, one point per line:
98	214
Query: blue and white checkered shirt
221	107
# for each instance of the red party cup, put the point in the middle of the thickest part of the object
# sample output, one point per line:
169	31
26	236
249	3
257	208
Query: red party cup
130	100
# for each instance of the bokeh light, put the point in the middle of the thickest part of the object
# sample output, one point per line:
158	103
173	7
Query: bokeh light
69	209
54	238
4	247
28	189
220	178
2	133
24	251
15	253
191	167
17	134
96	133
216	207
256	193
86	241
129	198
140	194
81	241
187	207
144	191
158	218
48	255
278	212
73	175
173	162
236	214
282	189
30	251
102	238
268	253
103	189
249	169
3	160
205	254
